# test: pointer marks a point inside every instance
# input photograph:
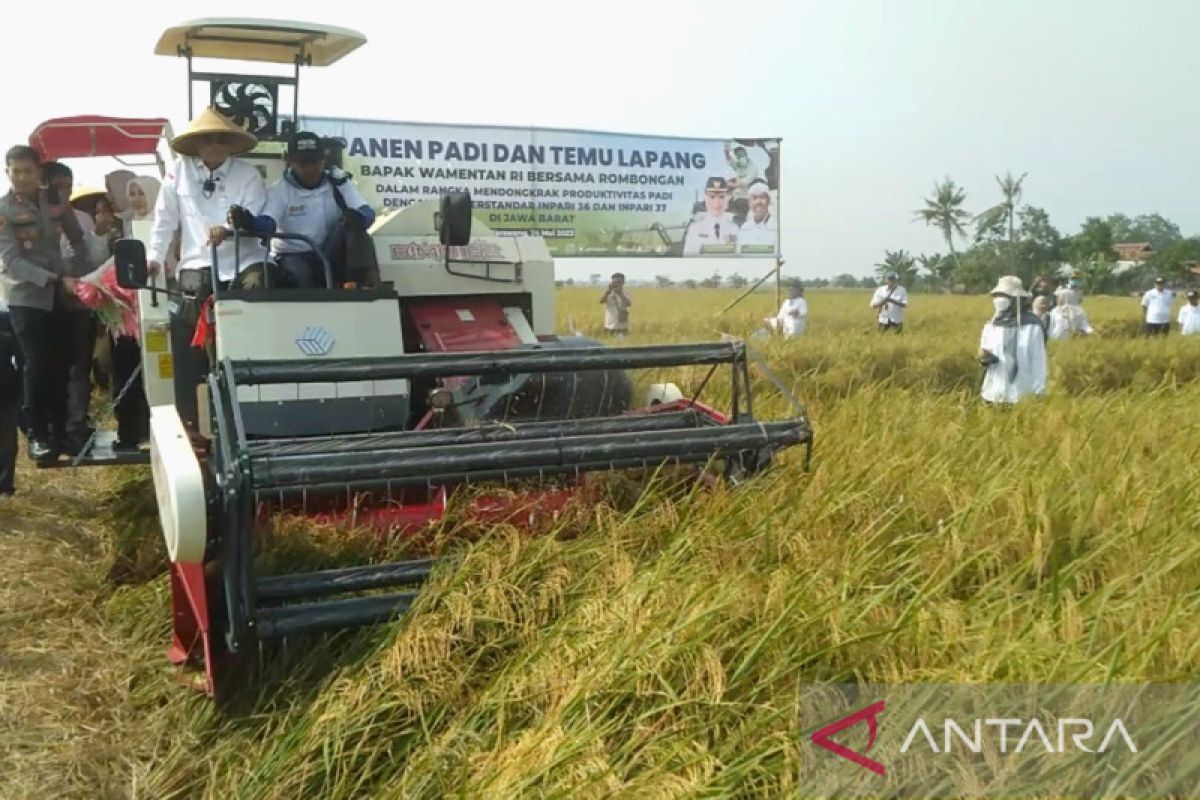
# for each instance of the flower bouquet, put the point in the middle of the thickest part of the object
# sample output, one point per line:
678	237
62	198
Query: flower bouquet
115	307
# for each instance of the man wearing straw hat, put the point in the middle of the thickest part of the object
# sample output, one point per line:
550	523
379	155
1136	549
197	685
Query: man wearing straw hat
206	189
1012	348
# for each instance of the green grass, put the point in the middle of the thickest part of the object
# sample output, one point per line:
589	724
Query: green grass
655	647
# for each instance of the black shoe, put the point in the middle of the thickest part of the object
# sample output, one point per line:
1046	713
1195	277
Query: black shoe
72	444
7	492
126	446
41	452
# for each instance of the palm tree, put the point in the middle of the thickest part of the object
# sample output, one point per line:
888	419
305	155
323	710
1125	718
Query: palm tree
937	265
1010	191
899	262
943	210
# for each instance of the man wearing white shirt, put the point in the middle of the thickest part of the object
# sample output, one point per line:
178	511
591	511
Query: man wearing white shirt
1157	302
205	185
1189	315
714	227
793	314
890	300
312	201
760	230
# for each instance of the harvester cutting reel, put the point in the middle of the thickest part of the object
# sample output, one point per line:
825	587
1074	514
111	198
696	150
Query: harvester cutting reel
224	609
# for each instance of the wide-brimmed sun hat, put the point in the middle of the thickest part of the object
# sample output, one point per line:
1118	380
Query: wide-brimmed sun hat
212	122
1011	286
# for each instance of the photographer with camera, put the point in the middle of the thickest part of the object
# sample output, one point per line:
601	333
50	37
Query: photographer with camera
616	306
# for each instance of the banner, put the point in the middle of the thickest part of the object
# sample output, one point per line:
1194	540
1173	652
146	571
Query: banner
587	193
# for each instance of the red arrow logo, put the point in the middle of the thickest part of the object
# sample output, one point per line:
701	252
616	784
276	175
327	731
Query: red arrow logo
822	737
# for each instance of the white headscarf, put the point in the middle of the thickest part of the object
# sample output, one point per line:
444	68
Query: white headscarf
117	183
150	187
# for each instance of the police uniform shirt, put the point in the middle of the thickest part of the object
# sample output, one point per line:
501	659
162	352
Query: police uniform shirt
185	203
758	233
707	230
312	212
31	232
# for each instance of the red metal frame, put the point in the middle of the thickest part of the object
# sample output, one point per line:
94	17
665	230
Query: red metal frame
192	640
91	136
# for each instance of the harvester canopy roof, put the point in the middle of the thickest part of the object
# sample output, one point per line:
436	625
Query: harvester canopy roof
274	41
90	135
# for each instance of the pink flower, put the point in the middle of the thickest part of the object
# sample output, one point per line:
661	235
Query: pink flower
114	306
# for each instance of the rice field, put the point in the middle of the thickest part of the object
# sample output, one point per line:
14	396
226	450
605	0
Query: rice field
654	646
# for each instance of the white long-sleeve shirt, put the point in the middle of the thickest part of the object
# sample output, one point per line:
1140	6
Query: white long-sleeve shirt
793	325
890	312
1157	303
758	234
184	204
1189	319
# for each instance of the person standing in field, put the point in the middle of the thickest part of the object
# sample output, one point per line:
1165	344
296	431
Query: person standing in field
1157	304
1043	298
1012	348
1189	314
890	300
616	306
793	314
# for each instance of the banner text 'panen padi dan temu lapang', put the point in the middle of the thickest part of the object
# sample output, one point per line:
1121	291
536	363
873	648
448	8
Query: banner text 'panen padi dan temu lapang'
588	193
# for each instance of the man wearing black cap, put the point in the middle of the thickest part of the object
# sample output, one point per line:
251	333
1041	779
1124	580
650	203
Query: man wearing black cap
313	201
714	227
1157	302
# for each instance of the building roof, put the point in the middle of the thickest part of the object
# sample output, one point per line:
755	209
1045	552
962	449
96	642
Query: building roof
1133	251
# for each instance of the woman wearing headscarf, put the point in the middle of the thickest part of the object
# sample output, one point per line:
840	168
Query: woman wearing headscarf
132	411
117	183
1012	347
141	193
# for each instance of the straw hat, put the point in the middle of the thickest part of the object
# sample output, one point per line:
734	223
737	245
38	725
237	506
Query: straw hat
86	195
210	121
1011	286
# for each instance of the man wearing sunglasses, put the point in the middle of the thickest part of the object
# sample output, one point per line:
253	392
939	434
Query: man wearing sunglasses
713	231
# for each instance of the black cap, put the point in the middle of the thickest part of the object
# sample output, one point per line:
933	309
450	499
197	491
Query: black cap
717	182
305	146
1193	293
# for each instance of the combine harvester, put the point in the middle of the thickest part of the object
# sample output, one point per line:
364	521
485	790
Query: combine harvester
378	403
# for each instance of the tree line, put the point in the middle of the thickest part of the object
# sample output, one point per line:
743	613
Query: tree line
1009	238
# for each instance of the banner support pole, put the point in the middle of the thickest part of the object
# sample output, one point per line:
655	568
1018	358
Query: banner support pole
778	212
774	271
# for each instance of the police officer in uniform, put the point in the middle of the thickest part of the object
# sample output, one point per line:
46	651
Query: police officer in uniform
10	402
39	282
715	225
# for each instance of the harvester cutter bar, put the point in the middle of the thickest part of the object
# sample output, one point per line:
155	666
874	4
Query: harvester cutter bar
278	588
490	431
494	362
464	463
333	615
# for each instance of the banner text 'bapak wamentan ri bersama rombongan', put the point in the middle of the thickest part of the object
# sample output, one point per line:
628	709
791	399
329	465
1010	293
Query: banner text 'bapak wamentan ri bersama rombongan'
588	193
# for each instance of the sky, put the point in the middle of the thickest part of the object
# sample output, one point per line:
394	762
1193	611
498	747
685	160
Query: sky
875	100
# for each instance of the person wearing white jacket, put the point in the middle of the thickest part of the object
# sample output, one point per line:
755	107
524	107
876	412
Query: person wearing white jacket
792	318
1012	347
1189	314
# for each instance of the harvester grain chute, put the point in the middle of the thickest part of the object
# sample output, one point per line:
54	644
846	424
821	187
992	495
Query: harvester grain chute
382	405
